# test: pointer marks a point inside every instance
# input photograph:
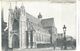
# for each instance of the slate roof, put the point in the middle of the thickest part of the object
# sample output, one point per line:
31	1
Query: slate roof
38	26
47	22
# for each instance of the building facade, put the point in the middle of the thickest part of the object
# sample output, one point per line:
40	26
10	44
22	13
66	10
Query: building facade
26	31
49	25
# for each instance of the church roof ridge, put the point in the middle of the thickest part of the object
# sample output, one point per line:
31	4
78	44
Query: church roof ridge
48	18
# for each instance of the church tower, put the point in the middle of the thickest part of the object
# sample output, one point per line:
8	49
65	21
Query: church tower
10	22
13	24
22	27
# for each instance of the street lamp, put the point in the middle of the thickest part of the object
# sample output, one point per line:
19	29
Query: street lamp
64	30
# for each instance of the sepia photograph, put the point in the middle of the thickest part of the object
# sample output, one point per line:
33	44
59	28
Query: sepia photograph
38	25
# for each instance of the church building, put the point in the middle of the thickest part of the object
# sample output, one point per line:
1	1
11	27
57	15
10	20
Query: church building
27	31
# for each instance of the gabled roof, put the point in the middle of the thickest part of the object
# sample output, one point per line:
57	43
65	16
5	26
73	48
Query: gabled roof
32	18
47	22
37	21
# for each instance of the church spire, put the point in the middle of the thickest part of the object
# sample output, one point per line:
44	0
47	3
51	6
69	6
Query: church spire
22	2
22	6
39	16
10	5
16	3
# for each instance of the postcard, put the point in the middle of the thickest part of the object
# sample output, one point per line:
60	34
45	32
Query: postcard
38	25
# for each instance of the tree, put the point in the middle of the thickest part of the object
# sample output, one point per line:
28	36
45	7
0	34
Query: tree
59	43
69	43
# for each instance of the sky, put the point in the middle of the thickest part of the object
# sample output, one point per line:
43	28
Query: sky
78	22
63	13
54	1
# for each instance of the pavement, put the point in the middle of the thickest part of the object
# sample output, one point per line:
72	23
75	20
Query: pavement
40	49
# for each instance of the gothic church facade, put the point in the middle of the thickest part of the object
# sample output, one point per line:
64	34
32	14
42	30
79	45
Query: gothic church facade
26	31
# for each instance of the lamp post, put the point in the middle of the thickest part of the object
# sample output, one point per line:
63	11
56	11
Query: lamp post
64	30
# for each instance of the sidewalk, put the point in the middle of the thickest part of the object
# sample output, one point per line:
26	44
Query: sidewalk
34	49
40	49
